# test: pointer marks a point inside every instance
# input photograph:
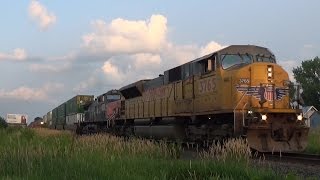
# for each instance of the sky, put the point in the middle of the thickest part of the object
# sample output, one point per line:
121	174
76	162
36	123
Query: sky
51	51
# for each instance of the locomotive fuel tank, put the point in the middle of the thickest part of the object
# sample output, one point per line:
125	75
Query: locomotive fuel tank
169	132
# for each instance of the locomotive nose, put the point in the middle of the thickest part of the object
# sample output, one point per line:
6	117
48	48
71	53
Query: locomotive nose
267	88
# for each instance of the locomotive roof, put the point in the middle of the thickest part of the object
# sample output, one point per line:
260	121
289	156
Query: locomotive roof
250	49
137	83
235	49
112	91
134	89
81	95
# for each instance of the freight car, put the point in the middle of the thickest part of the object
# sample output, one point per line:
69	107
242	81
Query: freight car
69	113
49	119
239	91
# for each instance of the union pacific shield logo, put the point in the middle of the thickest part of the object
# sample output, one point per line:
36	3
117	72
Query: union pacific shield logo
269	93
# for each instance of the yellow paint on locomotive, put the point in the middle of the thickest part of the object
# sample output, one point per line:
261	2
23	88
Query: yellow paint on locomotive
214	92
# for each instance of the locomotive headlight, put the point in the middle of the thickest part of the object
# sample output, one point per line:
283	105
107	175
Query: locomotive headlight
264	117
41	122
270	72
250	112
299	117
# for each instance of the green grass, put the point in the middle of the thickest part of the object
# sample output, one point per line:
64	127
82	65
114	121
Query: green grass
314	141
27	154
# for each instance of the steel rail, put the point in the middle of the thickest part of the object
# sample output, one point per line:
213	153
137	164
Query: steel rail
298	158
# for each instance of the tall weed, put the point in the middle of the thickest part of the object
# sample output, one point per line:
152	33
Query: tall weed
46	154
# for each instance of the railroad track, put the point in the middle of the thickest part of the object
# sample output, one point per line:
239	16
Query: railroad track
297	158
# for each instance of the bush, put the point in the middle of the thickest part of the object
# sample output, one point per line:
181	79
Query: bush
314	141
3	123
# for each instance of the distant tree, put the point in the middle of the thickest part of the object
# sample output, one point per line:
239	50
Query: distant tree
308	75
3	123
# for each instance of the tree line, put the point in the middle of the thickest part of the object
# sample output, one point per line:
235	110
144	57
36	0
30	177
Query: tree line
3	123
308	77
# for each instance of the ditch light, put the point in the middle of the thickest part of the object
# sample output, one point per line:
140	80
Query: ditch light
264	117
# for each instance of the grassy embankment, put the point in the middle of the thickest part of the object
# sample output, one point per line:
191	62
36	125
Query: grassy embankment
45	154
314	141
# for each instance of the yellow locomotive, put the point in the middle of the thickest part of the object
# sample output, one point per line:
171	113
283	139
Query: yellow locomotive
239	91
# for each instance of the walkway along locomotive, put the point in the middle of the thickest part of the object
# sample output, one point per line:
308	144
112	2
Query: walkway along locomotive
239	91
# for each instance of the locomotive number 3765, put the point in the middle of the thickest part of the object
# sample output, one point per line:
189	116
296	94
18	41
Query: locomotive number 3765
207	85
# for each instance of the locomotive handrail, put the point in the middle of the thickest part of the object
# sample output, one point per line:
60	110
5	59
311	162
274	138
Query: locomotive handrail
240	100
243	123
234	110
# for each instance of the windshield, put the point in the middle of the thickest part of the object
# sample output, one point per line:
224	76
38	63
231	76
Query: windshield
264	58
113	97
232	60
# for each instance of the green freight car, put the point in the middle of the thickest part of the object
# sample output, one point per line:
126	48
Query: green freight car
61	118
49	119
78	103
73	106
54	117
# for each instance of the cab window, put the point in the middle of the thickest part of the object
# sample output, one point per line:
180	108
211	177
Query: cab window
113	97
186	71
235	60
208	65
264	58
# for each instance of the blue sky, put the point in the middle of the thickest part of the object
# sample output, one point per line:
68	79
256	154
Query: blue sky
52	50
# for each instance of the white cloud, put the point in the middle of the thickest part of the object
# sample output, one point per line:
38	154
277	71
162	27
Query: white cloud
119	70
17	54
141	43
124	36
34	94
135	50
41	15
85	85
93	83
50	68
54	64
179	54
52	87
68	57
210	48
146	61
112	72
